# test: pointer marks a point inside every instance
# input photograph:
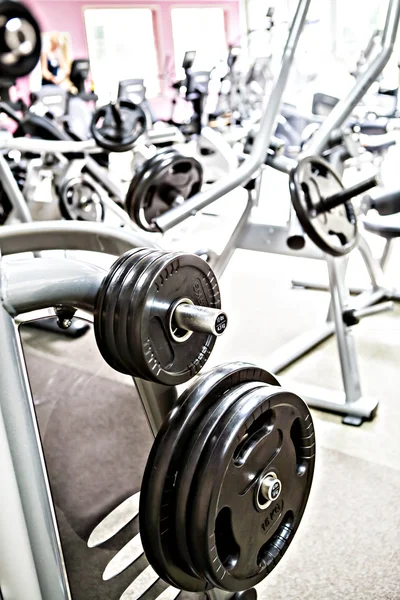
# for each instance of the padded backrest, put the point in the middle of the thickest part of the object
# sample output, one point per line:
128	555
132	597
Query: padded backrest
50	99
133	90
198	81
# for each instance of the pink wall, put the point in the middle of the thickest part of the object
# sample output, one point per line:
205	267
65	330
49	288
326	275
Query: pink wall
67	15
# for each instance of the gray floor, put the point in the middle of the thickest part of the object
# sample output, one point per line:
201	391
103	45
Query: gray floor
348	545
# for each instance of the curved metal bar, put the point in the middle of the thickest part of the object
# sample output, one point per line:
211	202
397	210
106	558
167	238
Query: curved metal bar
37	283
63	235
262	141
345	106
24	144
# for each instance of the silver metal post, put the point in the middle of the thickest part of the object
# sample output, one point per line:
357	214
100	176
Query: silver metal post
220	263
157	401
199	318
386	254
375	272
15	549
344	336
261	145
344	107
13	192
18	412
369	311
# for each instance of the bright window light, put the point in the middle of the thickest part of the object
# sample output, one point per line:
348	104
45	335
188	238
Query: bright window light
202	30
121	45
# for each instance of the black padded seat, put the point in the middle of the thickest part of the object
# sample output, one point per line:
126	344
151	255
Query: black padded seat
387	227
41	127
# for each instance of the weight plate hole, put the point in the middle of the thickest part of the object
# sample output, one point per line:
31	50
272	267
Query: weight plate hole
296	435
341	236
227	548
307	196
270	552
182	167
261	427
320	171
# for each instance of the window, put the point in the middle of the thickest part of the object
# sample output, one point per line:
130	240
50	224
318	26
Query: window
202	30
121	45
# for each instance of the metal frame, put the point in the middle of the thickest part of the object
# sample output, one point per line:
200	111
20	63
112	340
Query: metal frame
44	282
39	283
271	238
29	528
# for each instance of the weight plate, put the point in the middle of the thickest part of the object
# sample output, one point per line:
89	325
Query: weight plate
165	359
118	279
189	462
251	488
334	231
141	172
107	293
117	126
130	296
20	40
164	181
157	499
133	320
80	201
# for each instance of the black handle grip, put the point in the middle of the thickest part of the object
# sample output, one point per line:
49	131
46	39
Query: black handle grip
387	204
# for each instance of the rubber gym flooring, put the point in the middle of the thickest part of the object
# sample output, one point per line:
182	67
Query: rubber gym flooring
96	440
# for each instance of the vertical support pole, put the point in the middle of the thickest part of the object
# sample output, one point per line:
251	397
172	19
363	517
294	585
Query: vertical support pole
386	254
16	406
157	400
374	269
344	336
18	578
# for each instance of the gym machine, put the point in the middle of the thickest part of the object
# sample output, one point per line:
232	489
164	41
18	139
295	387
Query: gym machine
290	239
156	317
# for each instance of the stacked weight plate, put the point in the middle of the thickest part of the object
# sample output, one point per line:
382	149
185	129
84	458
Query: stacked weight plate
133	325
163	181
227	481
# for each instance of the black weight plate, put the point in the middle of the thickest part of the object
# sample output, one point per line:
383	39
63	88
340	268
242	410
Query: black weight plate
157	506
334	231
128	301
163	179
123	279
115	136
105	307
183	484
20	46
135	186
234	543
151	344
80	201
